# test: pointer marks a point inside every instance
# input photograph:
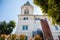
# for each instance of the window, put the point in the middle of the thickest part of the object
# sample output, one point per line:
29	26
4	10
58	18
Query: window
37	18
25	27
59	37
26	18
56	27
26	11
45	18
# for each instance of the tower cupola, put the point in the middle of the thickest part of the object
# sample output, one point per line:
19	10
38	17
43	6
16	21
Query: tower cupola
27	9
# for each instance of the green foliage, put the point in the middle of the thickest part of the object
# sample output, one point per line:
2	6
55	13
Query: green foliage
6	28
43	4
11	24
51	8
3	26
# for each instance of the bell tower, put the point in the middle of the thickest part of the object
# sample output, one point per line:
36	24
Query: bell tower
27	9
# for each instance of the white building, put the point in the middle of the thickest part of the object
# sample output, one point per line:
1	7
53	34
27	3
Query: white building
28	22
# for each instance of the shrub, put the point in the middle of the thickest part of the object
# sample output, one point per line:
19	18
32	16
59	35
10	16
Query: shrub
2	37
13	37
37	37
22	37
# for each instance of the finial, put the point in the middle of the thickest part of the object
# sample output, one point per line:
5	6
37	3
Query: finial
27	3
27	0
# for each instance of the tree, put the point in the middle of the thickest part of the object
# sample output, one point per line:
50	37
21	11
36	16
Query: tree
10	27
51	8
3	26
7	28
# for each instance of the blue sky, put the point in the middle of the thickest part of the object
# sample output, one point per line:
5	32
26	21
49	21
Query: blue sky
10	9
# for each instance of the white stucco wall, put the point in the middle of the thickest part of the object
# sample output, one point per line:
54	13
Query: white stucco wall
34	24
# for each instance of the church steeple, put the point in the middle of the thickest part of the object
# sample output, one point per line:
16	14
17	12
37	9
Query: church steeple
27	4
27	9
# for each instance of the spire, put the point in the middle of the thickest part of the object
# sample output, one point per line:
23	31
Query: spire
27	4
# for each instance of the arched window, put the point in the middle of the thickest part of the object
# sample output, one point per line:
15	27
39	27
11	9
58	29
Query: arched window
25	18
26	11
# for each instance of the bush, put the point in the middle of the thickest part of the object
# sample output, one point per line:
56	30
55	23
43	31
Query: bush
22	37
13	37
2	37
37	37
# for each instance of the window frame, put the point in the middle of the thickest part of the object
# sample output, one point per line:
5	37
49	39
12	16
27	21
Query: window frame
25	27
25	18
37	18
